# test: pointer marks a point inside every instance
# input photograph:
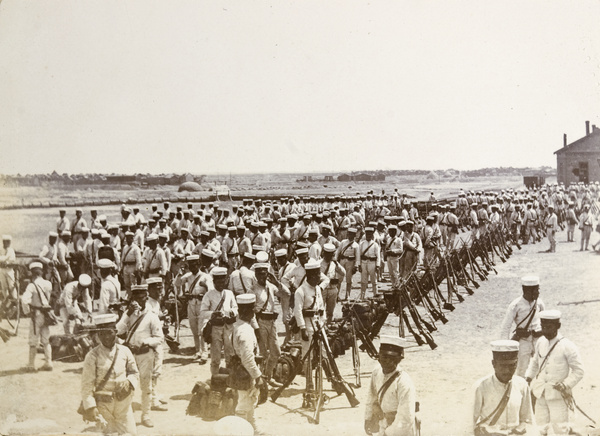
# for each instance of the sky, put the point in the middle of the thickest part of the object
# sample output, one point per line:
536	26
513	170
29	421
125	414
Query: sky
222	86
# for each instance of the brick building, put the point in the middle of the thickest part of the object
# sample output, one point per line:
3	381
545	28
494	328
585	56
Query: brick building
579	161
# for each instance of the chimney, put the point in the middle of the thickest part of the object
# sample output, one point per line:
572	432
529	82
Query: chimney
564	139
587	128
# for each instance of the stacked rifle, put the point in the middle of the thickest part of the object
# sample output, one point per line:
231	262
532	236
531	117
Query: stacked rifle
421	298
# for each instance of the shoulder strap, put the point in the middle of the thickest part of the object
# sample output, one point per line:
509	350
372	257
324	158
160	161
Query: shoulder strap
134	328
390	244
40	294
367	249
107	375
193	285
301	281
383	389
345	250
267	300
495	415
220	302
546	358
529	316
152	259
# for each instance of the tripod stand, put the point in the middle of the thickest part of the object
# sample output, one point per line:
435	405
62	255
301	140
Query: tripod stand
314	398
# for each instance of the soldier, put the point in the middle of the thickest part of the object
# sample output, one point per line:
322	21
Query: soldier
155	294
586	224
231	252
335	273
245	348
94	221
412	247
62	257
572	221
391	400
524	314
108	380
131	265
183	246
154	260
553	371
219	306
474	221
7	274
394	249
286	297
308	303
75	297
78	224
348	255
370	257
551	229
530	224
243	280
36	300
266	316
110	288
314	250
62	222
195	285
502	399
453	225
143	334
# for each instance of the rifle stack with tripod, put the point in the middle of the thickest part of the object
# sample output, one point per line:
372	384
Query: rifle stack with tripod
419	300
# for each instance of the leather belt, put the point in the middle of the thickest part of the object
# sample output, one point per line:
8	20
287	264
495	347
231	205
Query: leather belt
369	258
267	315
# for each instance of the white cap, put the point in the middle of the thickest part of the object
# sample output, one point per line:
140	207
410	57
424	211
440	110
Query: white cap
192	257
152	237
262	257
105	319
153	280
302	250
208	253
281	252
34	265
312	264
392	344
219	272
550	314
53	234
504	346
85	280
330	248
105	263
245	299
264	265
530	281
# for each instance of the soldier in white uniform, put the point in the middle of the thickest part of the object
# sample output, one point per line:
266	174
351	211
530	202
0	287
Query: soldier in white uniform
7	274
370	257
143	334
349	257
553	371
336	274
266	316
245	348
551	225
196	284
74	297
523	314
154	260
155	293
110	288
393	250
131	263
502	400
62	222
391	399
109	378
308	302
218	305
36	300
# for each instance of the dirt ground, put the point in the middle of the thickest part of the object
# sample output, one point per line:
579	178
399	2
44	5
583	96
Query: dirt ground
46	402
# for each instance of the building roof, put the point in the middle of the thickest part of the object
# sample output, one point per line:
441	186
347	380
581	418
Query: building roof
594	133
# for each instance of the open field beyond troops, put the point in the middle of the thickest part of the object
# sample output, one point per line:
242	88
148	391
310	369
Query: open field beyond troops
47	402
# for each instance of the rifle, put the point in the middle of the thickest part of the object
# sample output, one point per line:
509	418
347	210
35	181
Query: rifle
436	313
418	338
414	314
337	382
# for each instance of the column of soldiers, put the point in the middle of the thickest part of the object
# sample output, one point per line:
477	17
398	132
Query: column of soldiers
300	252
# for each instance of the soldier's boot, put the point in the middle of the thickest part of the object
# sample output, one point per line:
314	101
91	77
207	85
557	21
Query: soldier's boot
48	358
32	353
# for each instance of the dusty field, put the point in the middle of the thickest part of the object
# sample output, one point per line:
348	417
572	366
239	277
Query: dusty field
46	402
